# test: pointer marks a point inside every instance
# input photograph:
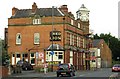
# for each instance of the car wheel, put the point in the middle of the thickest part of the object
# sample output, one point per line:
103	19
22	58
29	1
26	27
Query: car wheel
71	74
26	68
57	75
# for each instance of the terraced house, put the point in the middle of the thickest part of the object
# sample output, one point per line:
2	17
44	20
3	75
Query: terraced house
53	34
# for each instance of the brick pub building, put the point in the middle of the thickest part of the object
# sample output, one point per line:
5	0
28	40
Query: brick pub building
34	33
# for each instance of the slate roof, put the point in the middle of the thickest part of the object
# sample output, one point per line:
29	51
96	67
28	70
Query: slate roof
23	13
56	47
96	42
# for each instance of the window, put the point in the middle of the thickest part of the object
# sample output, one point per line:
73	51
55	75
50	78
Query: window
26	55
73	39
13	55
77	41
83	43
36	21
78	25
32	60
70	39
36	38
18	55
93	53
18	38
71	22
32	54
60	55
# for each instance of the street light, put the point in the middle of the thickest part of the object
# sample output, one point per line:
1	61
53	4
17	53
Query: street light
52	36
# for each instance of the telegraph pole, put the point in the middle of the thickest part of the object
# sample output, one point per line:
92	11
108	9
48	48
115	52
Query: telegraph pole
52	35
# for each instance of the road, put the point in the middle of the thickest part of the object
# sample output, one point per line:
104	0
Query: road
104	72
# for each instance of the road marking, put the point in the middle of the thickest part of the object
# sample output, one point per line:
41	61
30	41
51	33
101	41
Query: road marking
114	76
82	75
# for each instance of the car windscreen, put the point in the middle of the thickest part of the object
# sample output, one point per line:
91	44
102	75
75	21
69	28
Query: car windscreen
63	66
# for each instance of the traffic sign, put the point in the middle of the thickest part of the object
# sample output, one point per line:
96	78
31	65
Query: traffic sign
37	54
41	55
52	53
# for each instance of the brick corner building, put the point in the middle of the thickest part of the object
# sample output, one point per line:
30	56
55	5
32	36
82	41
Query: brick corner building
53	34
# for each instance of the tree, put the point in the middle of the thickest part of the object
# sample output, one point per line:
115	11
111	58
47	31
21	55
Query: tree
3	53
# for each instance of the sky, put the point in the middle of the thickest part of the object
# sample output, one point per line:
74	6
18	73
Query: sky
103	14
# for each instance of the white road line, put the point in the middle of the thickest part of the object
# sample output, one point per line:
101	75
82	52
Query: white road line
82	75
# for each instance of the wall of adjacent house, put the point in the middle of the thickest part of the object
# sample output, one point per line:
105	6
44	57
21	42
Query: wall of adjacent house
106	54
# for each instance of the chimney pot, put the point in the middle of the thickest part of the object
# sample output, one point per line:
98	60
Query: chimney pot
34	7
14	10
64	8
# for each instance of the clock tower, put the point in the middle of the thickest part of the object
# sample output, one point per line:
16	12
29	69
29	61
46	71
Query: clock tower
83	13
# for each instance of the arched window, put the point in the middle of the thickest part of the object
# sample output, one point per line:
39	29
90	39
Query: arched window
36	19
18	38
36	38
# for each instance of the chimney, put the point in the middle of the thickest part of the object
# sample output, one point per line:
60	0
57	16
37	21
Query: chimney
14	10
34	7
64	8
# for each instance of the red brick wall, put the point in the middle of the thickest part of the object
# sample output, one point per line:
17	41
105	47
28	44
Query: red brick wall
3	71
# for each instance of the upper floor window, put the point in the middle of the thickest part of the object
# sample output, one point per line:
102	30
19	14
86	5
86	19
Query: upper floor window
18	38
36	21
71	22
70	39
36	38
78	25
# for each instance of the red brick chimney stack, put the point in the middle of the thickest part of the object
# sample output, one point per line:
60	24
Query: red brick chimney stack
64	8
14	10
34	7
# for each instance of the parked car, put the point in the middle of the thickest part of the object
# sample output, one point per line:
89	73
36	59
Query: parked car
25	65
116	68
65	70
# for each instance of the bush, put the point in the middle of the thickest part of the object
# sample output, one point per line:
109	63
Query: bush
39	69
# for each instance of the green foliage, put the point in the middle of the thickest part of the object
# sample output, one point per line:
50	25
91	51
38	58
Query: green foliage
113	43
4	57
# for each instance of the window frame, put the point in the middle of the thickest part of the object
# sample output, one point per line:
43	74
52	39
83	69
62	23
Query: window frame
36	38
18	39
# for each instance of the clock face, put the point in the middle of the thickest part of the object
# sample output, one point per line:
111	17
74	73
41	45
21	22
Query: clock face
84	18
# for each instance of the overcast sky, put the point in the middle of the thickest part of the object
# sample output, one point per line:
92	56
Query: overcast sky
103	13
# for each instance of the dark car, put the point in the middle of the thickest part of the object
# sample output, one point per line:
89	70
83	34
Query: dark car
65	70
25	65
116	68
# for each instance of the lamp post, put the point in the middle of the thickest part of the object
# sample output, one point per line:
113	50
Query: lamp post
52	36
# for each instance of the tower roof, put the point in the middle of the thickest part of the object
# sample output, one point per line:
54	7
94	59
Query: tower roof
83	8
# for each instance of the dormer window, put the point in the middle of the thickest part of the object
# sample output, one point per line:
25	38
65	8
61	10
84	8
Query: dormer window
36	21
18	38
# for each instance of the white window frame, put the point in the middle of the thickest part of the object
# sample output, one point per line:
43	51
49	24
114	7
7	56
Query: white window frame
32	58
18	38
58	53
36	21
77	41
70	39
36	38
72	22
73	39
78	25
